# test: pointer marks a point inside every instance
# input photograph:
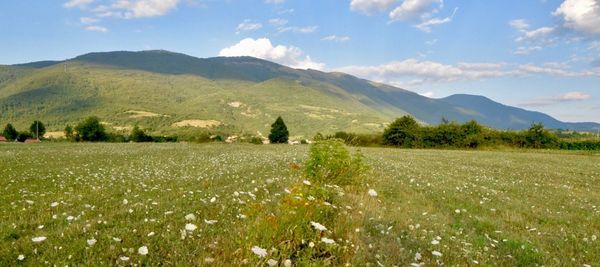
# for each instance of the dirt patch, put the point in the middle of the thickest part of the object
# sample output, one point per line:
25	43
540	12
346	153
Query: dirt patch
143	114
54	135
197	123
235	104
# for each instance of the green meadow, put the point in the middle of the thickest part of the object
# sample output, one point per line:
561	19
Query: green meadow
253	205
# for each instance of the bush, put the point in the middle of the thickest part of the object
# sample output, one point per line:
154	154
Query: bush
329	162
22	136
10	133
538	137
279	132
91	130
138	135
403	132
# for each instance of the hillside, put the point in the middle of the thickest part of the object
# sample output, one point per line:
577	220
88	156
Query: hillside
163	91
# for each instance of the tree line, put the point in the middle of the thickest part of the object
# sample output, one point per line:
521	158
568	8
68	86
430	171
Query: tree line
92	130
406	132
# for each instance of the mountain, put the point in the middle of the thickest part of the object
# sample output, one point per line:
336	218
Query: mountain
164	91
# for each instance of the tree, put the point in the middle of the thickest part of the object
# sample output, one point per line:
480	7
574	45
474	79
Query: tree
403	132
10	133
37	129
90	130
279	132
69	132
538	137
138	135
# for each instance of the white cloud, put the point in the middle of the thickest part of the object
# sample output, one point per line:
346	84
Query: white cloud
278	22
307	29
95	28
263	48
543	34
427	94
248	25
526	50
130	9
416	9
77	3
519	24
566	97
370	6
274	1
426	25
87	20
335	38
413	72
580	15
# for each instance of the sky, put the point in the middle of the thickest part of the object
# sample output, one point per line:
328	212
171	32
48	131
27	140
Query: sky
541	55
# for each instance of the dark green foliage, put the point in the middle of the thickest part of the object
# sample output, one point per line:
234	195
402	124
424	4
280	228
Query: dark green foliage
580	145
37	129
90	130
329	162
138	135
538	137
279	132
22	136
69	132
354	139
10	133
403	132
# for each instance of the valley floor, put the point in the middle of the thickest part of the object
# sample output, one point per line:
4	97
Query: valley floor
122	204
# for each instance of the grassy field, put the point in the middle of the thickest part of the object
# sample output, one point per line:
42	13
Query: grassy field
177	204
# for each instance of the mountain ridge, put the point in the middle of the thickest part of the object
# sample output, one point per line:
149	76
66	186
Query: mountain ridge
183	87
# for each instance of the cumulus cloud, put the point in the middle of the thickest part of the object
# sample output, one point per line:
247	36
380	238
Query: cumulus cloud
580	15
414	72
263	48
335	38
566	97
421	12
248	25
128	9
415	9
370	6
77	3
96	29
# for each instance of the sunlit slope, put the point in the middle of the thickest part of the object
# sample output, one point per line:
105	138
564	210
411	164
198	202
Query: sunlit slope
157	89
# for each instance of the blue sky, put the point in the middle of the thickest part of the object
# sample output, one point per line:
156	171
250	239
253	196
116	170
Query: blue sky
541	55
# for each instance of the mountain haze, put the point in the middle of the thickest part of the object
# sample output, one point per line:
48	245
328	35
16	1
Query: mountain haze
163	91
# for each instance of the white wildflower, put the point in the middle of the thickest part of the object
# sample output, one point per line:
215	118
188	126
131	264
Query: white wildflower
318	226
327	240
125	201
190	217
38	239
21	257
287	263
306	182
372	193
190	227
143	250
91	242
124	258
260	252
53	204
210	222
436	253
272	262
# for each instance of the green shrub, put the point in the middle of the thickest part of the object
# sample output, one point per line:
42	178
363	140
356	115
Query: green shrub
10	133
329	162
91	130
403	132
